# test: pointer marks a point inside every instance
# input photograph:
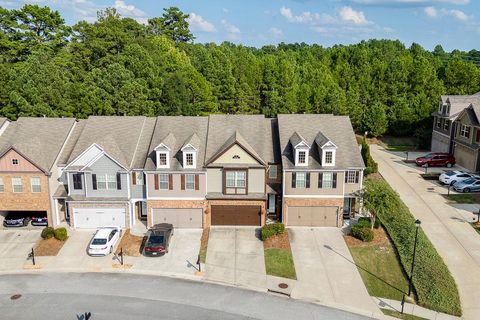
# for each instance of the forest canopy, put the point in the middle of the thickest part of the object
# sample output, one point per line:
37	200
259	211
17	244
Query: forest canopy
117	66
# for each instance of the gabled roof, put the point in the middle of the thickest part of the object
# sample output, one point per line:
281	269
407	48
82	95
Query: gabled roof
321	140
175	133
458	103
254	132
38	139
168	142
336	128
236	138
23	156
192	142
297	140
125	139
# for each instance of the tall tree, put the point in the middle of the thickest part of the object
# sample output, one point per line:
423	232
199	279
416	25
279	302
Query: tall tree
172	24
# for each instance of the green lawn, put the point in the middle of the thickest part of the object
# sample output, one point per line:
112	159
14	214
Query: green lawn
380	270
476	227
464	198
400	147
398	315
279	263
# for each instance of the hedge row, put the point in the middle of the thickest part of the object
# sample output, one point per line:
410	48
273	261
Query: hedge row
59	233
433	283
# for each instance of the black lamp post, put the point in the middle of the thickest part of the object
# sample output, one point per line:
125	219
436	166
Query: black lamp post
417	226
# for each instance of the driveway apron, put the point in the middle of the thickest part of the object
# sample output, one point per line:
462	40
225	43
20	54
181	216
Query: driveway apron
446	227
325	269
235	256
15	245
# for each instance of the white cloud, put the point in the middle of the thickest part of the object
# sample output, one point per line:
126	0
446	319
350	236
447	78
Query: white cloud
276	32
388	29
129	10
409	3
345	15
232	30
197	23
431	11
349	15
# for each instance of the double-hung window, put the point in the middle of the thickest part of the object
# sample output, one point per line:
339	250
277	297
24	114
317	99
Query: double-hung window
189	159
302	157
327	180
272	173
189	182
162	159
17	184
101	182
301	180
465	131
111	182
351	177
236	179
163	178
328	157
35	183
446	125
77	181
140	178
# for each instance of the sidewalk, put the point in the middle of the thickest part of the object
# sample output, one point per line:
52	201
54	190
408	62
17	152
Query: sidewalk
412	309
445	225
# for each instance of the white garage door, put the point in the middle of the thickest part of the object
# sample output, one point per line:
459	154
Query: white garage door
179	218
98	217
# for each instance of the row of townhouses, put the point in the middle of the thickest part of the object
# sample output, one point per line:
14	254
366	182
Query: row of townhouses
456	129
193	172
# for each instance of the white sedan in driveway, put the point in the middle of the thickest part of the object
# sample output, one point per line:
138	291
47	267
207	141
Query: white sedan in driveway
104	241
452	176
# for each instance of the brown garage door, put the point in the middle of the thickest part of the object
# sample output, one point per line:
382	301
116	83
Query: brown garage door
179	218
236	215
312	216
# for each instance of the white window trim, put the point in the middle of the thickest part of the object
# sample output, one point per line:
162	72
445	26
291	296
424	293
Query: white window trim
304	179
351	173
186	181
324	181
139	176
236	179
324	156
439	123
194	155
297	154
167	154
445	125
160	181
107	181
32	185
463	131
13	185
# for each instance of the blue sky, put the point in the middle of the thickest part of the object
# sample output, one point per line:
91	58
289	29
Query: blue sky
452	23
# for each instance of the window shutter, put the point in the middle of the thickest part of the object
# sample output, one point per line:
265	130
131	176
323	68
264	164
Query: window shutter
346	176
357	175
320	180
182	182
156	181
134	178
94	181
170	182
308	180
294	180
119	181
334	184
197	182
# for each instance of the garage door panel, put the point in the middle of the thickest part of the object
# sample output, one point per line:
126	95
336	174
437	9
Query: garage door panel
179	217
235	215
91	218
312	216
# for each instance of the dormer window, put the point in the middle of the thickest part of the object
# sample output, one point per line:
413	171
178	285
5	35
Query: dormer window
301	157
328	154
189	159
162	159
328	157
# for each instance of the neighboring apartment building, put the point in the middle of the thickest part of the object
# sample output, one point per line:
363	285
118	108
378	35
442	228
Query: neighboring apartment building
29	151
102	169
175	178
455	129
322	169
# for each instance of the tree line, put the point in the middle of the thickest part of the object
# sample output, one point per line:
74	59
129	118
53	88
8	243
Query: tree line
117	66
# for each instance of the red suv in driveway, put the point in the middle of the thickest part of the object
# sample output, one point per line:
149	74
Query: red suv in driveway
436	159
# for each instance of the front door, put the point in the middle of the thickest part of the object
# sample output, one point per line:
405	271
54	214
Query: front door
271	203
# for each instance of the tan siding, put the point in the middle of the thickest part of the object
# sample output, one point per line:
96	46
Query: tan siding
313	190
227	157
176	192
23	164
215	180
465	157
256	180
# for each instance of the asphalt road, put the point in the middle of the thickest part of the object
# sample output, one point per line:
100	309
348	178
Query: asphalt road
68	296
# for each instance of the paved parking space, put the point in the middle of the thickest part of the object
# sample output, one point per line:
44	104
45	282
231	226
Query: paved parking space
325	269
15	244
181	258
235	255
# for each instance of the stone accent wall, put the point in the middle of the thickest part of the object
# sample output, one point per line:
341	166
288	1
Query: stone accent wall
260	203
84	204
180	204
306	202
25	200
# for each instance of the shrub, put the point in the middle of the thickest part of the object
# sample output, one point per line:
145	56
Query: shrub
270	230
362	231
48	232
433	283
371	165
61	234
376	224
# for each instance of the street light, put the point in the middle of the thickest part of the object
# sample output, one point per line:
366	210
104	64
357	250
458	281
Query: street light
417	226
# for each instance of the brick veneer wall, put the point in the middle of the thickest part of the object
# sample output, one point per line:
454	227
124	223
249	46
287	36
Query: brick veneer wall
25	200
306	202
180	204
72	205
239	203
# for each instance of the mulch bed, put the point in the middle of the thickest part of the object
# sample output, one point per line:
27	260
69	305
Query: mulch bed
380	238
430	176
48	247
279	241
409	161
131	245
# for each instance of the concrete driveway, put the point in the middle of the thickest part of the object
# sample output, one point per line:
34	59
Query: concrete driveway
15	244
181	258
445	225
235	255
325	269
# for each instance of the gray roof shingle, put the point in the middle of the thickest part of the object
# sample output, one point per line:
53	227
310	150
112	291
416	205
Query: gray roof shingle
337	128
39	139
176	132
123	138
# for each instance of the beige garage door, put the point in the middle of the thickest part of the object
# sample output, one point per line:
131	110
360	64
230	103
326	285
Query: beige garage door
312	216
179	218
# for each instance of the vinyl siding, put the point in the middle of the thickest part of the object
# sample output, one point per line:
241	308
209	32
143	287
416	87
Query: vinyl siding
103	166
177	191
215	180
235	150
315	190
256	180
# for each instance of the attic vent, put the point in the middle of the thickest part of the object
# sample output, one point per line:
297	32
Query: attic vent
236	157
